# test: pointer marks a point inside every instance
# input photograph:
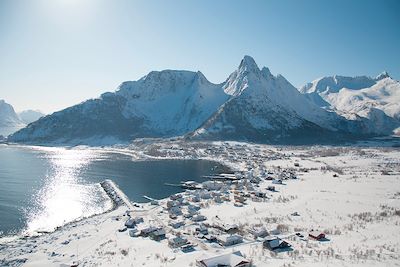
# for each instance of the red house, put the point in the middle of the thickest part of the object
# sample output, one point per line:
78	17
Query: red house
316	235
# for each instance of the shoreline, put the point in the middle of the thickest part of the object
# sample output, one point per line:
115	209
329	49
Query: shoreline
360	187
123	151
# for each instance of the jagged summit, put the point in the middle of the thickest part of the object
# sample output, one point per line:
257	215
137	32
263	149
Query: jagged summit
243	77
382	76
248	64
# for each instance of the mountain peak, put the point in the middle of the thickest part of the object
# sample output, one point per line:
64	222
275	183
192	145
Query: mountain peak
200	78
266	72
248	64
382	76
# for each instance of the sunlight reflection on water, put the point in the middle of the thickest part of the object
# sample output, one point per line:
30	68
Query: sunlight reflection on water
65	197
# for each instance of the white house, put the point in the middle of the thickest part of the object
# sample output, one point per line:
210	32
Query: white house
234	259
229	240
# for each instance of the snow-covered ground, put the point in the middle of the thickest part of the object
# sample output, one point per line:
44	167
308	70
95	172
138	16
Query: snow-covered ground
352	194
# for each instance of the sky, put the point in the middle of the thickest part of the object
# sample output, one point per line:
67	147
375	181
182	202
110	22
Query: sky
57	53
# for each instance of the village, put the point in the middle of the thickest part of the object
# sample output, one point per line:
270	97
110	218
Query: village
270	208
180	222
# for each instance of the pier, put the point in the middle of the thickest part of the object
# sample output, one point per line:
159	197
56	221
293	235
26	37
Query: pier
117	196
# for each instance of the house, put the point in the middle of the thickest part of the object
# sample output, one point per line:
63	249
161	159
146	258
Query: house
172	203
271	188
188	215
146	231
218	199
234	259
133	233
193	209
240	198
296	164
255	180
260	194
228	228
258	231
133	221
202	229
195	198
277	181
210	238
212	185
175	211
316	235
205	195
137	220
130	223
229	240
199	218
176	225
238	204
176	197
177	241
158	234
187	248
274	243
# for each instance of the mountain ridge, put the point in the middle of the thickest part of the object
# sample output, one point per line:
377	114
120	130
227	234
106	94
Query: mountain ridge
250	104
376	99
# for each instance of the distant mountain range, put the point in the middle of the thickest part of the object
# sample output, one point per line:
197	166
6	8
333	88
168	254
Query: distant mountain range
10	121
28	116
252	104
376	99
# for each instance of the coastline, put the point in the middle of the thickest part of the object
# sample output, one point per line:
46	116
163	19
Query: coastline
314	195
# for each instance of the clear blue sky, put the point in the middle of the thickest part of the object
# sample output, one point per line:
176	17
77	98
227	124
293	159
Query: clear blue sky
56	53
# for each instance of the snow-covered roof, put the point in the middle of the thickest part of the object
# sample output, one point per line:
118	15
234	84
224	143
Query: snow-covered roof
231	259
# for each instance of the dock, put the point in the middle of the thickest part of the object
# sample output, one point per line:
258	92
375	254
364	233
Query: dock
117	196
221	177
150	198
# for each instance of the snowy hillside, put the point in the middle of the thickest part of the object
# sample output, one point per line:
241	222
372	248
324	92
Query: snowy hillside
9	120
376	99
252	104
171	102
161	104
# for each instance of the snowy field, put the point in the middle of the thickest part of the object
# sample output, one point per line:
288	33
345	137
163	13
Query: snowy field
351	194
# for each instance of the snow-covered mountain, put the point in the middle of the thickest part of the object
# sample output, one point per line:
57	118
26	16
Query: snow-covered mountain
9	119
28	116
268	108
161	104
375	99
252	104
